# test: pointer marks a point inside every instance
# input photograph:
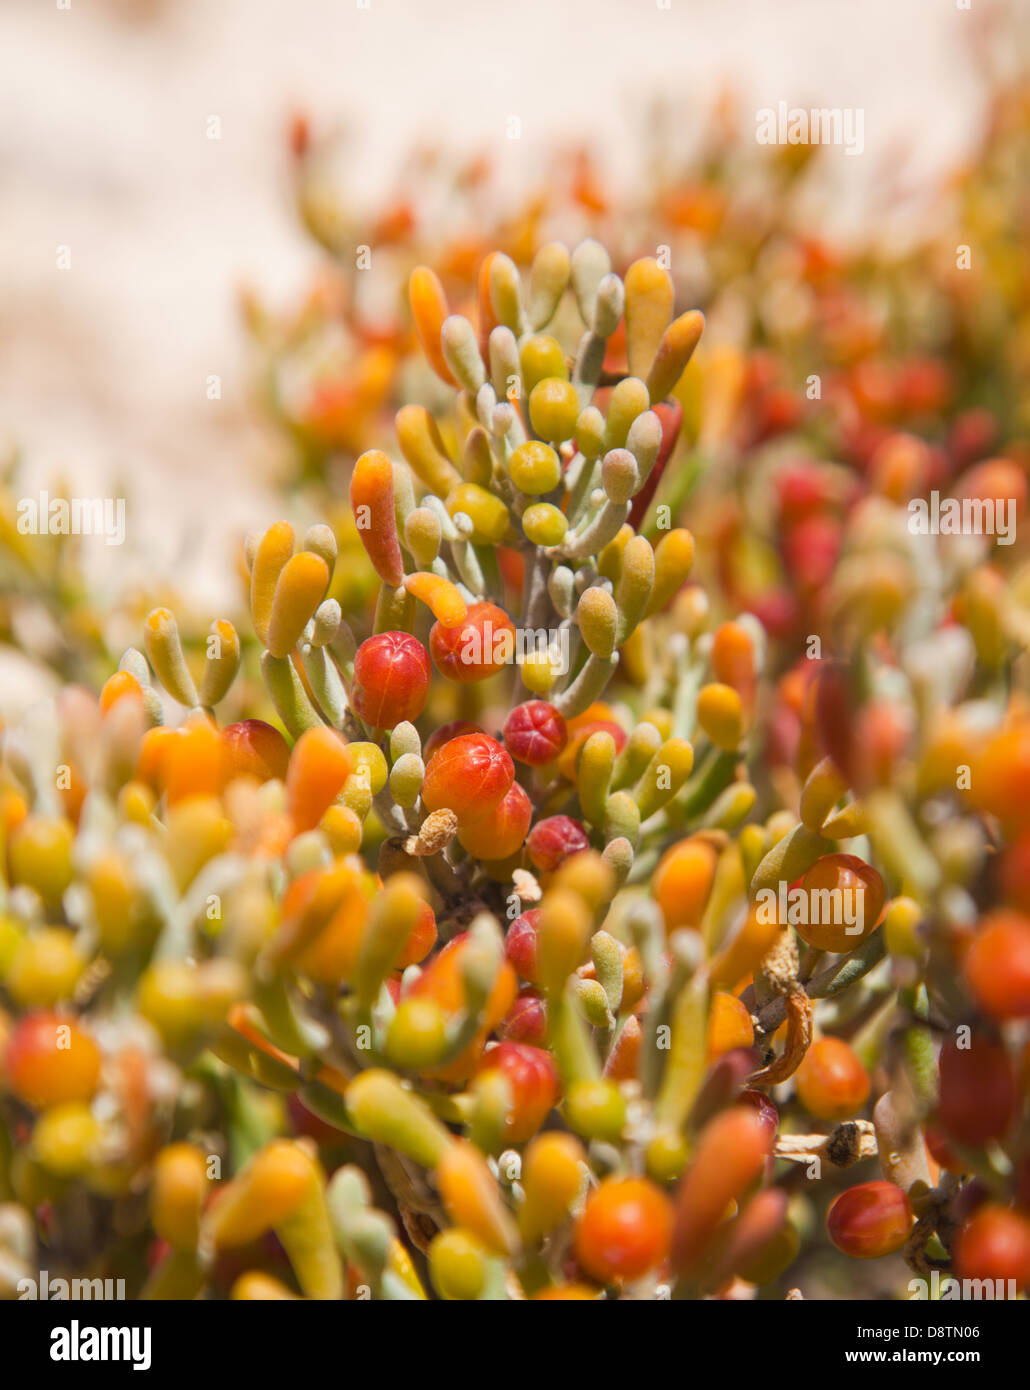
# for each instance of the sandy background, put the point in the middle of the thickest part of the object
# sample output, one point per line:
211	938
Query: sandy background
103	149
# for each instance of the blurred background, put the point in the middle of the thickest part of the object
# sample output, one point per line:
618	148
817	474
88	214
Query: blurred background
151	138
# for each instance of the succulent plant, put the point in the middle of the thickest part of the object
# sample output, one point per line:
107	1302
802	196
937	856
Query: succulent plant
534	897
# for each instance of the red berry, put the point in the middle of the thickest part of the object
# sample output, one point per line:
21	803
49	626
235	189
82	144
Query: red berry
521	946
391	679
502	832
625	1229
551	841
469	775
763	1108
525	1021
480	646
533	1078
870	1220
995	1244
997	966
535	733
832	1083
255	749
978	1091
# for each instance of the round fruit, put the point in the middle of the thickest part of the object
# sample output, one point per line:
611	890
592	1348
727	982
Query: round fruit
997	966
832	1083
520	945
535	733
45	968
533	1078
49	1060
625	1229
391	679
502	832
65	1139
535	468
553	840
445	733
477	648
40	856
995	1244
554	409
525	1021
845	899
469	775
683	880
254	749
870	1220
544	524
978	1092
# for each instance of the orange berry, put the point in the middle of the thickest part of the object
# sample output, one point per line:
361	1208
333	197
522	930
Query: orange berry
995	1244
50	1060
625	1229
502	832
831	1082
997	966
841	923
469	775
475	649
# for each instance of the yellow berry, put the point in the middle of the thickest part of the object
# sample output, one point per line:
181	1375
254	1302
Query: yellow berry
538	673
488	514
41	856
64	1139
45	968
553	409
542	356
535	468
544	524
